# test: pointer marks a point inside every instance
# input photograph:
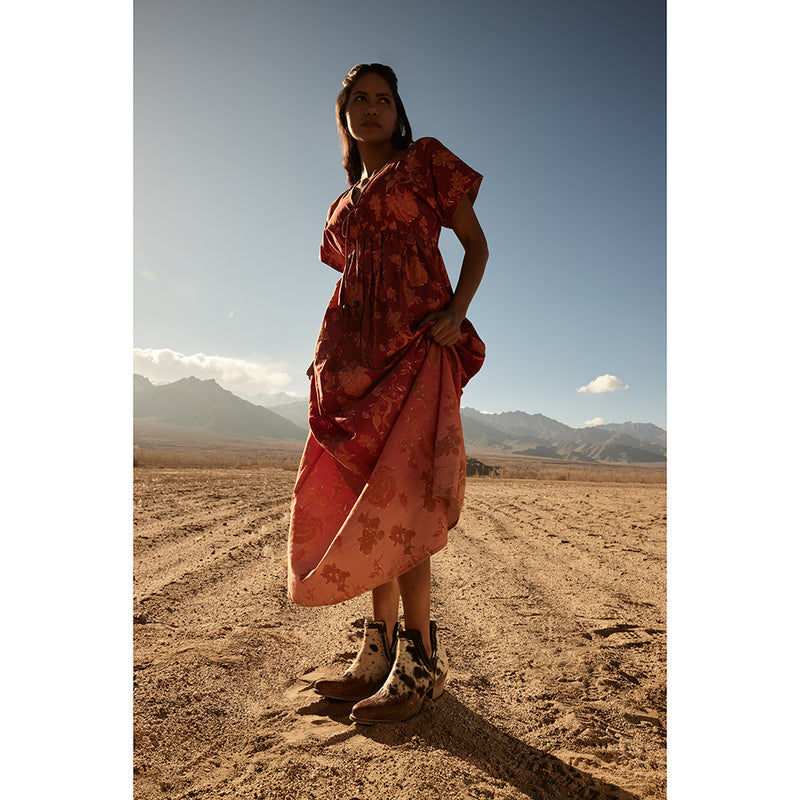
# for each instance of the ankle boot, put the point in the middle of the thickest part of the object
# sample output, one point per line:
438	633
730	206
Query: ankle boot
414	677
368	671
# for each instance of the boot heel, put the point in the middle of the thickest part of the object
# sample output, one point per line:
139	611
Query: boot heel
438	687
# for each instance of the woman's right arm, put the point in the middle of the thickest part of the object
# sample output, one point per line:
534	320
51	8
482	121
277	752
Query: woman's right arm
446	329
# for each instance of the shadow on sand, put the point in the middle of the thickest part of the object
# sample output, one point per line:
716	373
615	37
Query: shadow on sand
451	726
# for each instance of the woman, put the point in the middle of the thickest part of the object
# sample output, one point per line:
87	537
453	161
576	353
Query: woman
382	477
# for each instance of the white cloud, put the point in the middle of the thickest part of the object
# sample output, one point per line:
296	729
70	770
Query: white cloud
595	421
234	374
605	383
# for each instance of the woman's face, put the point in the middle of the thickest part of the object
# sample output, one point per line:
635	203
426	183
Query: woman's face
371	112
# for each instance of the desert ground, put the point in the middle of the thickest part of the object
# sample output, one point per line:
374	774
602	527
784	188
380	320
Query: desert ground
551	602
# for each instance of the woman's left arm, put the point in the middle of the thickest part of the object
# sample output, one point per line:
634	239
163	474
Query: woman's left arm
446	329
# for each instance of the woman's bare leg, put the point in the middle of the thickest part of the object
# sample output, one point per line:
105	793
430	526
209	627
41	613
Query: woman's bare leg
385	604
415	588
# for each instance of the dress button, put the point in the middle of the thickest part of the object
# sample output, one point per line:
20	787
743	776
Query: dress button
345	307
356	304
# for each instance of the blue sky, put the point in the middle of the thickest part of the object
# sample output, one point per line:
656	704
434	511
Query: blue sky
561	106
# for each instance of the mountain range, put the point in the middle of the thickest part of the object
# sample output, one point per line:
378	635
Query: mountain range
203	405
523	434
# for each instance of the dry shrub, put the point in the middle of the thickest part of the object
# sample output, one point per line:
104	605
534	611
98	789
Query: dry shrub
582	472
288	459
172	458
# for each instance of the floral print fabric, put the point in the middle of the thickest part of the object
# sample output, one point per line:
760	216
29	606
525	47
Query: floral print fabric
381	480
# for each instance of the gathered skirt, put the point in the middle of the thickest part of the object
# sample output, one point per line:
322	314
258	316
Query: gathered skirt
380	484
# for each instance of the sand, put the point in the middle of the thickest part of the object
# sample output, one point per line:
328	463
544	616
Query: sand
551	602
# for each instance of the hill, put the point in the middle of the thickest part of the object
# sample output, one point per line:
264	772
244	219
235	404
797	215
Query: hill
206	406
522	434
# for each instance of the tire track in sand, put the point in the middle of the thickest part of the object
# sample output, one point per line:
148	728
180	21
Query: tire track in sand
581	662
545	700
193	545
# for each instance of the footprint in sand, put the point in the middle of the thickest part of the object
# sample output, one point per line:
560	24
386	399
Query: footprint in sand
315	715
623	635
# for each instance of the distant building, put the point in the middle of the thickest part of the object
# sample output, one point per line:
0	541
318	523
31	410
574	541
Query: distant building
475	467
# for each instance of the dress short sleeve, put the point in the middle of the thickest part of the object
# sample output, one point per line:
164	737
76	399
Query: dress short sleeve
330	251
450	178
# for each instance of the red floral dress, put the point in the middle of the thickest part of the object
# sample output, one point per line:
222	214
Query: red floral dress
382	476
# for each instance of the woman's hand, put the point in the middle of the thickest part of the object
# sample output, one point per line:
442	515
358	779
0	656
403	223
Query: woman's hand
446	328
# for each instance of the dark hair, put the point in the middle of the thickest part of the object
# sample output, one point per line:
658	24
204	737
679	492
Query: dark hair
401	138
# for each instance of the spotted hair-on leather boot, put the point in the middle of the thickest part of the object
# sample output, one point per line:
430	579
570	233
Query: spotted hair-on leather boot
414	677
369	669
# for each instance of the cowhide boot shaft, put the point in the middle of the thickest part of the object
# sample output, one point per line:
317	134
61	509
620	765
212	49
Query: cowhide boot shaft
369	669
413	677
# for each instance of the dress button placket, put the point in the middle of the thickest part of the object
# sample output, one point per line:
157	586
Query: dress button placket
352	266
